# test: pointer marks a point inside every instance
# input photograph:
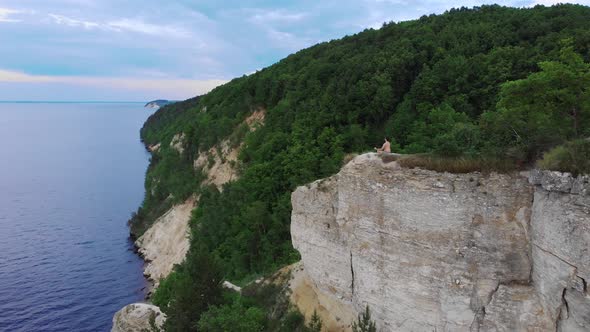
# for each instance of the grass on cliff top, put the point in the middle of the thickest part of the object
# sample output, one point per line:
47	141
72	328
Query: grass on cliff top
573	157
458	164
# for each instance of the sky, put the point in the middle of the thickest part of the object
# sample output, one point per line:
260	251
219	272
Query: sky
139	50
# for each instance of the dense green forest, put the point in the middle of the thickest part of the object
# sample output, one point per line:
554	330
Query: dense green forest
484	83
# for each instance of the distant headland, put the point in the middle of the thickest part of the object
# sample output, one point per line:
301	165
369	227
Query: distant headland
159	103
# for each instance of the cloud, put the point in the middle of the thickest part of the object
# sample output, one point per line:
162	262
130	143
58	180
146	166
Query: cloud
64	20
124	24
287	40
175	48
274	15
19	77
171	87
5	14
552	2
282	28
147	28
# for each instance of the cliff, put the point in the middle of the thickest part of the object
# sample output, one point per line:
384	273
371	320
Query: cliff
166	243
431	251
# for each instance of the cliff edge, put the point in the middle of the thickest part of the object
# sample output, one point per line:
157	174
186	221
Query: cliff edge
430	251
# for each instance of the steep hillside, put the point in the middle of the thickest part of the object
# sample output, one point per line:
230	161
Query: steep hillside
437	84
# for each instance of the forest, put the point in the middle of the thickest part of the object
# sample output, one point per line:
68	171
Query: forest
481	84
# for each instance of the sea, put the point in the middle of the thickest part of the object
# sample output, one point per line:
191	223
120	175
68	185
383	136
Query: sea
71	174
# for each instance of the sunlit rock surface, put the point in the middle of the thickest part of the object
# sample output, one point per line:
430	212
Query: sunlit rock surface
436	251
138	317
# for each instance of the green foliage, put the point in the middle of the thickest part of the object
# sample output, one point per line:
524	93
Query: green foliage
364	322
546	108
232	317
166	289
190	290
169	180
573	157
293	321
315	323
445	131
465	87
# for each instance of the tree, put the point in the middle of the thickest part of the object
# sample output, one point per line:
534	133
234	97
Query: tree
196	287
548	107
315	324
232	317
364	322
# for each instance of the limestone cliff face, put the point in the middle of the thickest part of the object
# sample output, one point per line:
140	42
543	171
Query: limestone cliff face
561	247
430	251
166	242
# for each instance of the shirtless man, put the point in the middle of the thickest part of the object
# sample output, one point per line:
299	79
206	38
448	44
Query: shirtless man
385	148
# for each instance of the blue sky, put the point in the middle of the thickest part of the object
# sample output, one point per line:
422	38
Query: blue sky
147	49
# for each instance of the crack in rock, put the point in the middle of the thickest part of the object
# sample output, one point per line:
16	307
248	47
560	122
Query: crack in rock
352	275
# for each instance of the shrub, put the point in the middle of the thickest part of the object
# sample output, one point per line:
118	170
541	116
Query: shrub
293	321
573	157
315	324
232	317
364	322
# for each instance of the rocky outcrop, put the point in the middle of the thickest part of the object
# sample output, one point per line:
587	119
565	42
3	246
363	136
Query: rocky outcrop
561	182
138	317
431	251
220	163
561	247
166	243
154	147
158	103
177	143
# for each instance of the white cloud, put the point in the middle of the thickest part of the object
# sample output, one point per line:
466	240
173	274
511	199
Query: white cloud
552	2
6	13
124	24
277	25
277	16
287	40
64	20
147	28
179	88
15	76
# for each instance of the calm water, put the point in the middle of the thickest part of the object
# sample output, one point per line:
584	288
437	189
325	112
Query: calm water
70	176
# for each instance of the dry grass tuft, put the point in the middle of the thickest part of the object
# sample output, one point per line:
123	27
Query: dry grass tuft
348	157
389	157
458	164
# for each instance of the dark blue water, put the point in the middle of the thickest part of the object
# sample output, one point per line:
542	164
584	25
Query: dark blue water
70	176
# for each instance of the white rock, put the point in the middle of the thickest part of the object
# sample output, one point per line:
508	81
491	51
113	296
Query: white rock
177	142
136	318
166	243
430	251
410	248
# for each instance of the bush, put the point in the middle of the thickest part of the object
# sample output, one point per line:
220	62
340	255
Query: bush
234	317
315	324
364	322
573	157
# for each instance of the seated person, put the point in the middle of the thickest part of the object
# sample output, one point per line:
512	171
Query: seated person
385	148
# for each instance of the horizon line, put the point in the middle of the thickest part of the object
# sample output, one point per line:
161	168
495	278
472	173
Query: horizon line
71	102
